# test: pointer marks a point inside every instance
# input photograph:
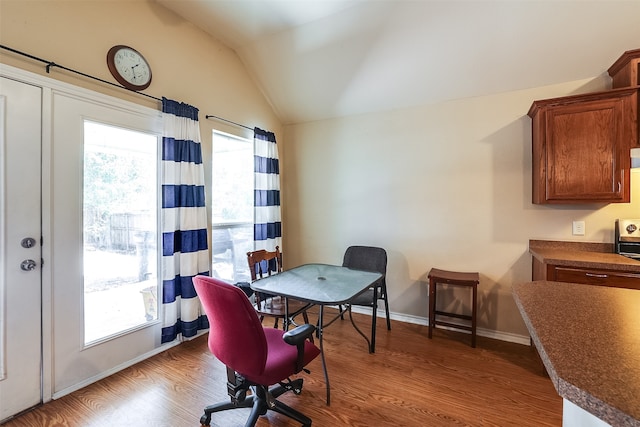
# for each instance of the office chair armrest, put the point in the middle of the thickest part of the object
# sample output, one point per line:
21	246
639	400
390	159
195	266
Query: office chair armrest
298	335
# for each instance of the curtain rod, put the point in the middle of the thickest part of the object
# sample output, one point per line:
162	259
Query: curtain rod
51	64
228	121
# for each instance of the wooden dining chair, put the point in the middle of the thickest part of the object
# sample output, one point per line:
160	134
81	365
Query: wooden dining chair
264	263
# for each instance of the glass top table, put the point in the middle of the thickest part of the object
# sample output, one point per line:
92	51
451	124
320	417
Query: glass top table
320	284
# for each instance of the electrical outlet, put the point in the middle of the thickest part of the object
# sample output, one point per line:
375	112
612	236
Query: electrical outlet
578	228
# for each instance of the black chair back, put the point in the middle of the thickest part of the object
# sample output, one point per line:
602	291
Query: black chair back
366	258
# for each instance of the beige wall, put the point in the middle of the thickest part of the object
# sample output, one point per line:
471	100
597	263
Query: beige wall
446	186
187	64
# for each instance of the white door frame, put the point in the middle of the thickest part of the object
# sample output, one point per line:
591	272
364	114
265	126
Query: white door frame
20	291
46	84
49	87
76	363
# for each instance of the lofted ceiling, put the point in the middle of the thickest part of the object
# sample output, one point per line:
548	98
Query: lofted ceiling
318	59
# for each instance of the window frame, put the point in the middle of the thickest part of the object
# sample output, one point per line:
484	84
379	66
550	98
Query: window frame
239	259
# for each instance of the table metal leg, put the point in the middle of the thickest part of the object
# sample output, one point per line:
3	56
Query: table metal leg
358	330
372	346
324	363
286	314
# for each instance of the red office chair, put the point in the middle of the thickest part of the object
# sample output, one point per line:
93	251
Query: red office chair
256	357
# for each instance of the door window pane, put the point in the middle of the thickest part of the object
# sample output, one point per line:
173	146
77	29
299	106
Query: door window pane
232	207
120	212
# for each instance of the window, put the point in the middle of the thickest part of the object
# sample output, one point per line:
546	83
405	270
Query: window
120	229
232	207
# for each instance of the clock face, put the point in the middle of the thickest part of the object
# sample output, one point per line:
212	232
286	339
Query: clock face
129	67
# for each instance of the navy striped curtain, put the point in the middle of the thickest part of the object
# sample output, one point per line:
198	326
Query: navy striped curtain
184	222
267	222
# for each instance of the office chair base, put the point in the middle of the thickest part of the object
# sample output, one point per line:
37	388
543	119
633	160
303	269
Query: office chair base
260	402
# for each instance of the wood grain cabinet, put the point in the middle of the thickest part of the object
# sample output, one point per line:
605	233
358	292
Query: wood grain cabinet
587	276
615	279
581	147
625	71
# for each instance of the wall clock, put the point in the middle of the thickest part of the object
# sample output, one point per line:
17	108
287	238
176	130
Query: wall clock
129	67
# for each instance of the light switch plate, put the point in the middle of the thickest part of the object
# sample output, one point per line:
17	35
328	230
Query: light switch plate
578	228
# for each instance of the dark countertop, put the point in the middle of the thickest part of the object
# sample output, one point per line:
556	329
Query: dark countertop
588	338
578	254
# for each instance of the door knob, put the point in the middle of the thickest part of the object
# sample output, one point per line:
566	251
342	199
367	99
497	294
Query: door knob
28	265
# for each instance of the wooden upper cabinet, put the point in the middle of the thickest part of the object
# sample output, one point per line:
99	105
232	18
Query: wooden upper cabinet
581	147
625	71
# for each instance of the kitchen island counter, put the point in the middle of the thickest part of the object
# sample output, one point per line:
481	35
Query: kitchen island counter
588	338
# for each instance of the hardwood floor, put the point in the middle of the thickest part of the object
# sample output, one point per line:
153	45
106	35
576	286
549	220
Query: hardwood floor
410	381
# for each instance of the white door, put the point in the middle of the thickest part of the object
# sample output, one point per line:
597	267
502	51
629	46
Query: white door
20	248
78	360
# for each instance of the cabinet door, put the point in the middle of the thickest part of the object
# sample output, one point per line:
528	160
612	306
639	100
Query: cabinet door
581	147
585	143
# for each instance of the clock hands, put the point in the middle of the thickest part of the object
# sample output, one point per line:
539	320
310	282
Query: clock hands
133	71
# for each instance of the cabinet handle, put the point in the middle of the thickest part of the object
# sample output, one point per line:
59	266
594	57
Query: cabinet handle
599	276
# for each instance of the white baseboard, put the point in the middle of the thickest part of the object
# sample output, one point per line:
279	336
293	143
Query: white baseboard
418	320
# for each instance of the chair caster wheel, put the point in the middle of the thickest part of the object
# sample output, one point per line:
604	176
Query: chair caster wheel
205	420
241	395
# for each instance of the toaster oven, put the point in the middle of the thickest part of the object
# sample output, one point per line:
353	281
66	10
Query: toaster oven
627	238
